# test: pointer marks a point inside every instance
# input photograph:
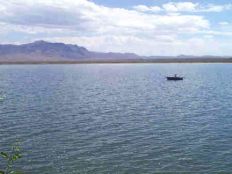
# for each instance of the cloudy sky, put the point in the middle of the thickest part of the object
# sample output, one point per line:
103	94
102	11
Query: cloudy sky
145	27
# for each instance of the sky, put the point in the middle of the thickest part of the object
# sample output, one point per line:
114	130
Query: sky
144	27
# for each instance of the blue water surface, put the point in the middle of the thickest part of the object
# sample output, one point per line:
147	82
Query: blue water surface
118	118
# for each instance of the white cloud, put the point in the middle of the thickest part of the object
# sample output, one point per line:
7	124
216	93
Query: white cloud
102	28
217	8
224	23
85	16
148	46
180	6
144	8
173	7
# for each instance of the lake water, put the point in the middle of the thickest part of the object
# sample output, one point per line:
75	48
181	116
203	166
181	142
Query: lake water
118	118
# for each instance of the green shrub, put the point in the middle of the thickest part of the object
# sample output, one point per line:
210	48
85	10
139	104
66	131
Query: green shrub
11	158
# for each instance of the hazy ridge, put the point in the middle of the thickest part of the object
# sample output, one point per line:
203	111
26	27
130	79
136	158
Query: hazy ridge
46	52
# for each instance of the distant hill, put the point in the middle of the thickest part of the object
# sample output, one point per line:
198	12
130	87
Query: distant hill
46	52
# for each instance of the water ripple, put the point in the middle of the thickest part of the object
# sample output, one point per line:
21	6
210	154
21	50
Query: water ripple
118	118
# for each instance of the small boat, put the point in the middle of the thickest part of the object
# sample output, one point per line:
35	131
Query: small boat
175	78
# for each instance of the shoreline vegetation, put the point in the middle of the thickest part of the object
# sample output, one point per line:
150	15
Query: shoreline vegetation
122	61
9	159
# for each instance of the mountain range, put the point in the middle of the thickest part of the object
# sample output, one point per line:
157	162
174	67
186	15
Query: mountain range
47	52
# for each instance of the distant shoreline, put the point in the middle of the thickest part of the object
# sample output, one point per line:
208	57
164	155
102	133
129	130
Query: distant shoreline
43	52
113	61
